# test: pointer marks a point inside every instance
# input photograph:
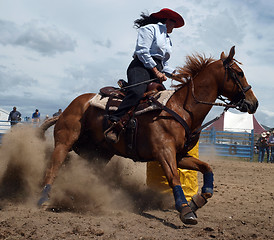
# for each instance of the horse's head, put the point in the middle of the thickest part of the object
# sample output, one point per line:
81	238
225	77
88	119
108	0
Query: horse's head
235	86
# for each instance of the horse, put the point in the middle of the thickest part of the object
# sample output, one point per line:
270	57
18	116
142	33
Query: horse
160	136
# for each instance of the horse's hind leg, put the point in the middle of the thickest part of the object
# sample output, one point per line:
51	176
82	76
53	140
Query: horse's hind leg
193	163
64	138
58	156
66	132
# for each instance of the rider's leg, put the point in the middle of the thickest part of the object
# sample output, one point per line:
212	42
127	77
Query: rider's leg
118	121
136	73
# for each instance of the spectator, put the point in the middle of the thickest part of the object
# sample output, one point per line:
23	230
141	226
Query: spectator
262	144
271	145
27	119
57	113
267	147
14	117
36	116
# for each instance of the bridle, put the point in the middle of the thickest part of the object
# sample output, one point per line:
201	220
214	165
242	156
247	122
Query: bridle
238	100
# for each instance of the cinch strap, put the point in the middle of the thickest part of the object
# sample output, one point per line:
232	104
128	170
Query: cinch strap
208	183
179	197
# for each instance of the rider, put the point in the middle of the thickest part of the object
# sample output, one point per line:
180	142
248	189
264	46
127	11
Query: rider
152	52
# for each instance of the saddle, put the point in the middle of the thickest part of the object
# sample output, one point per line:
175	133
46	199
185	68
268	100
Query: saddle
129	122
116	95
152	100
120	93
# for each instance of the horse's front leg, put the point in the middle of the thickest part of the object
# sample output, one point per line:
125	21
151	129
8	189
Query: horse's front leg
192	163
167	158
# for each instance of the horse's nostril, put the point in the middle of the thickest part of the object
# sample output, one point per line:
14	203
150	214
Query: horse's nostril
253	107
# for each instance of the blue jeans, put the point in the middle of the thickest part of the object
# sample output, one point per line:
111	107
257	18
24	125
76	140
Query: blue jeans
267	154
261	154
272	155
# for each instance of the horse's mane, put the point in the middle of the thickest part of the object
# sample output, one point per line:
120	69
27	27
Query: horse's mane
194	64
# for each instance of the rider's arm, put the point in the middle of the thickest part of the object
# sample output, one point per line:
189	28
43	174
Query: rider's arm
143	47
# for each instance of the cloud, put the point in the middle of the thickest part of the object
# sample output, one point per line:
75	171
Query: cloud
47	67
265	116
230	32
46	40
106	44
92	76
12	81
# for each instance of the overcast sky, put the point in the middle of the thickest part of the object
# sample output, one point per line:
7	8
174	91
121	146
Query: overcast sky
53	51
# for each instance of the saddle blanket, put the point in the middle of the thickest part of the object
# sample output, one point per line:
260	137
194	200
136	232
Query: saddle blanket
100	101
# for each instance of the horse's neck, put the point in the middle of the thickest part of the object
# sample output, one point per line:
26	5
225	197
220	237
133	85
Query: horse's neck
206	90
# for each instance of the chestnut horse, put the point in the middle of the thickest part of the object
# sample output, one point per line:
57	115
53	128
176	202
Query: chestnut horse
160	136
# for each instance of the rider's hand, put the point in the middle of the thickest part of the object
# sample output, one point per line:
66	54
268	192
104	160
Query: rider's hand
161	76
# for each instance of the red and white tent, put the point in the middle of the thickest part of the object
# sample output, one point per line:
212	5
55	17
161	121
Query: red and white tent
237	122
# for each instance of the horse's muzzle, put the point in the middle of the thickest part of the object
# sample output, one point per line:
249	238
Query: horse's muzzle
247	106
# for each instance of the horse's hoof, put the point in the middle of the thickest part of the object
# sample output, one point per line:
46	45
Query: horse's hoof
187	216
43	201
197	202
45	206
207	195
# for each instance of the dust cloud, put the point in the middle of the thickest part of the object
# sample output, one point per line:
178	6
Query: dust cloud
22	163
81	186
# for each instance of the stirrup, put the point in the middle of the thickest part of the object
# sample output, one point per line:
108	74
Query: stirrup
112	134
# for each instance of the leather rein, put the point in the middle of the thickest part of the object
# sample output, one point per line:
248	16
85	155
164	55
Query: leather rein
236	103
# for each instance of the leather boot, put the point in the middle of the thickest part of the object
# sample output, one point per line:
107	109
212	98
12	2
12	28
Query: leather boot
112	134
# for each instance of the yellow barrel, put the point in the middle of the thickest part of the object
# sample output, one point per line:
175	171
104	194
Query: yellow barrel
156	178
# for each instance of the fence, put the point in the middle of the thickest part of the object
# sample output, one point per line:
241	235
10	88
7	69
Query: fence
220	143
5	127
227	144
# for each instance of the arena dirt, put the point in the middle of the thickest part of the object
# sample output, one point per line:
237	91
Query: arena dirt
91	201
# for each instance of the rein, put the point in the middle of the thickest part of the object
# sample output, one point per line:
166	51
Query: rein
233	104
137	84
227	105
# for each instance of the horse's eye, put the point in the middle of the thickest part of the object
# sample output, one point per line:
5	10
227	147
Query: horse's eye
241	74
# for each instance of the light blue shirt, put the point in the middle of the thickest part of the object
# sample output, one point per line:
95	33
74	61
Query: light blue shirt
153	41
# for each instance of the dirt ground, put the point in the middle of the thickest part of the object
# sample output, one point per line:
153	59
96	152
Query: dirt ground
92	202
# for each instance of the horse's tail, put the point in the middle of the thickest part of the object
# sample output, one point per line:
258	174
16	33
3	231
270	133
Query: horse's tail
45	125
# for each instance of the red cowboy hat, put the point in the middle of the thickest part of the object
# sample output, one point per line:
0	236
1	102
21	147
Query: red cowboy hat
169	14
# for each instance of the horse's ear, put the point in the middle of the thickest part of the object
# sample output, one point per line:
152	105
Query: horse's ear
231	53
223	57
227	60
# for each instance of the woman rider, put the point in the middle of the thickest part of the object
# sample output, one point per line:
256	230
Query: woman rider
152	52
